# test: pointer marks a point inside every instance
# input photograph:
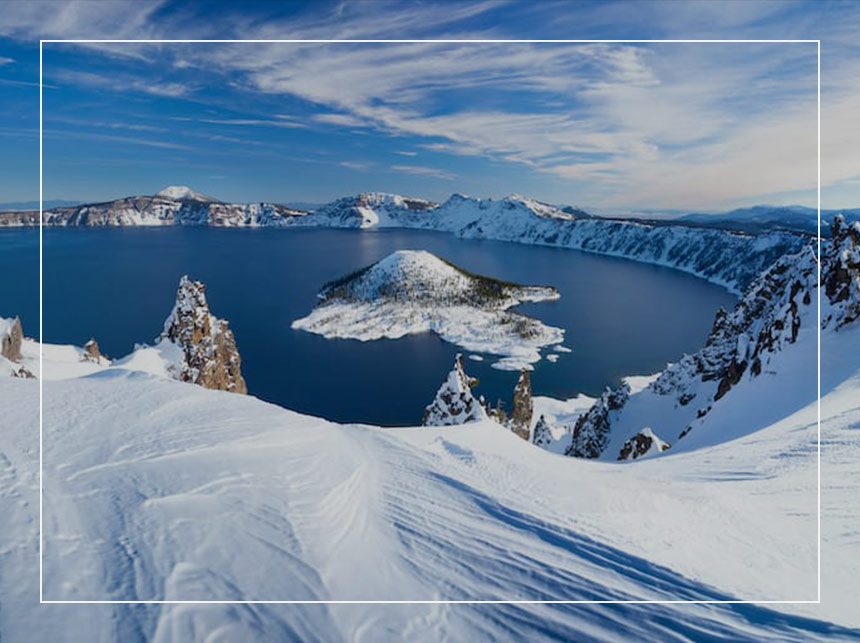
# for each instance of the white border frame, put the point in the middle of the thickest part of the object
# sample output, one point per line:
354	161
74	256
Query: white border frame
42	600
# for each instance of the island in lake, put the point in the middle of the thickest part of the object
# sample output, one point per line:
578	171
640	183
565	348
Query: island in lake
414	291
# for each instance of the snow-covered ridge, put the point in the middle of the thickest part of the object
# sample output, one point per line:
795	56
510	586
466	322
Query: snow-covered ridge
413	291
175	205
758	363
731	259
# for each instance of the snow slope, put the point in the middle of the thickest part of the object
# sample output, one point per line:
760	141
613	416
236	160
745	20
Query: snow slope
410	292
160	489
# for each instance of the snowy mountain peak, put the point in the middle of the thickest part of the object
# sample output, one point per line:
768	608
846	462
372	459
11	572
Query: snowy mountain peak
538	207
454	402
184	193
207	349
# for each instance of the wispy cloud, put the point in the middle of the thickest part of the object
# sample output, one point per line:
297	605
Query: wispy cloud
110	138
406	153
660	125
5	60
120	83
343	120
358	166
246	122
421	170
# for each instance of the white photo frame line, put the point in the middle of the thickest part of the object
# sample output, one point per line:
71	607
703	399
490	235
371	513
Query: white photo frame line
42	600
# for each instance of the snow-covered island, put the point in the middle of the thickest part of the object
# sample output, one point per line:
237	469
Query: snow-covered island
413	291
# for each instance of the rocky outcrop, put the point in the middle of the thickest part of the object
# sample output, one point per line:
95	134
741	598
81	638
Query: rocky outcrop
542	435
11	342
523	408
92	353
209	356
454	402
643	443
591	431
11	338
841	278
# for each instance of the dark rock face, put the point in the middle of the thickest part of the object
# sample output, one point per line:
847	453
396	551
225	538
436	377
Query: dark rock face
591	431
210	356
523	408
454	402
640	444
10	342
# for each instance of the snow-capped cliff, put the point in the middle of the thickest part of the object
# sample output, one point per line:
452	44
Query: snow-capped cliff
367	210
411	291
730	259
758	363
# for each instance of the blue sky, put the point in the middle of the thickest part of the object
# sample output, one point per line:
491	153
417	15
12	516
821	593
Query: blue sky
611	127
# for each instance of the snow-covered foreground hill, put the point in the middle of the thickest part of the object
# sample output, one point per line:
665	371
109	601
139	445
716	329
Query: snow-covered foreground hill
157	489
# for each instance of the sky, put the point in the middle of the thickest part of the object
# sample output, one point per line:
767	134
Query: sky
611	127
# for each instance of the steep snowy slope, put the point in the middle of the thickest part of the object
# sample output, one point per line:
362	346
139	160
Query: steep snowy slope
758	365
159	489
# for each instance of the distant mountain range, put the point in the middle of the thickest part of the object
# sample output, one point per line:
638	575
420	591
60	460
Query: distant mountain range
12	206
727	257
769	217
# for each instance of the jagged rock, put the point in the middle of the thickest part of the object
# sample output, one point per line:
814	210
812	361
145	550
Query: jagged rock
11	338
523	408
841	278
641	444
498	413
209	354
591	431
454	402
542	435
92	352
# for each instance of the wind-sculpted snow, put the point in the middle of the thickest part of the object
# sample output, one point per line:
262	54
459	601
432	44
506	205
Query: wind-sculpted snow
201	495
410	292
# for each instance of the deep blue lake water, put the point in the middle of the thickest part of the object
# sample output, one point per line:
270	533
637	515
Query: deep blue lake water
118	285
